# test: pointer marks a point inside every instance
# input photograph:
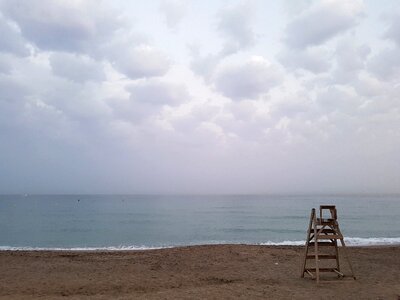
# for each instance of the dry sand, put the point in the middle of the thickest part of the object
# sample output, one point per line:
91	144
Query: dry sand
199	272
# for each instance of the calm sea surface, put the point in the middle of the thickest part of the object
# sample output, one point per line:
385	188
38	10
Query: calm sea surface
137	222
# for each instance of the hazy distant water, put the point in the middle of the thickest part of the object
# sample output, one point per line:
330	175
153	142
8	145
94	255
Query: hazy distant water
104	221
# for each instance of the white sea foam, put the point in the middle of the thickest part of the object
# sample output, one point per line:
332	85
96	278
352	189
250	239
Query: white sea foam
112	248
356	241
350	241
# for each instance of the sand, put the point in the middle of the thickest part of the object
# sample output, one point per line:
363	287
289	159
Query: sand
198	272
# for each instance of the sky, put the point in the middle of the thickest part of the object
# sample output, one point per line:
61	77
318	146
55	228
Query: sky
199	97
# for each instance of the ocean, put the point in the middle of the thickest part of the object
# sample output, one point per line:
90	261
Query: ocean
128	222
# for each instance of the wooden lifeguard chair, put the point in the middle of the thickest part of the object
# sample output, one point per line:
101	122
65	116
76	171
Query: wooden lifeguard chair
324	232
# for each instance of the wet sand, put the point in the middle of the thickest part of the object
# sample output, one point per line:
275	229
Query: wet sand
198	272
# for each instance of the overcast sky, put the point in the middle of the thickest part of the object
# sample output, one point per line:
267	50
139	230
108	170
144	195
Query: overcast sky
193	96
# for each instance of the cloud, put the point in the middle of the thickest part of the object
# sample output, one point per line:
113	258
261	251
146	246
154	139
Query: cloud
337	99
321	22
82	80
393	32
5	65
204	65
11	40
76	68
174	11
61	25
157	92
147	98
312	59
235	25
235	28
141	61
386	64
11	90
248	80
350	60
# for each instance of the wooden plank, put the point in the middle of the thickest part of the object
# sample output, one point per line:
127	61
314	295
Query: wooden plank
329	237
322	269
308	241
321	256
328	230
337	256
316	249
311	274
346	256
339	273
322	244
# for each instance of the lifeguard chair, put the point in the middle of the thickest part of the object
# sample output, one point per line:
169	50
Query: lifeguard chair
324	232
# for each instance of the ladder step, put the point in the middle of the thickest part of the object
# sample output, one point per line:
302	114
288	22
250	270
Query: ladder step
321	256
322	244
309	273
322	270
329	237
328	230
339	273
325	230
326	221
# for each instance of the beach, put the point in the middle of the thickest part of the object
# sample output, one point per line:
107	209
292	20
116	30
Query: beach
195	272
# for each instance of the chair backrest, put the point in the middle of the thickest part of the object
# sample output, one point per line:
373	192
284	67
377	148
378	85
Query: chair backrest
330	208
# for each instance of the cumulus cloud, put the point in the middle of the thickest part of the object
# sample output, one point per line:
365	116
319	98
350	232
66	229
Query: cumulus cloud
247	80
386	64
235	25
236	29
204	65
5	65
157	92
313	59
321	22
147	99
141	61
61	25
11	40
76	68
350	60
337	99
12	90
393	32
174	11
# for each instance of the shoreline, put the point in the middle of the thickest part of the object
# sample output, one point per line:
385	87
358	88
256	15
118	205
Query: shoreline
225	271
150	248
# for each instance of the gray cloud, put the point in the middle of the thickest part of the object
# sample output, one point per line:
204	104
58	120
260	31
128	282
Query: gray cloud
334	99
5	65
393	32
61	25
76	68
235	28
174	11
141	61
248	80
147	98
321	22
235	25
386	64
12	90
157	92
11	40
312	59
350	60
204	65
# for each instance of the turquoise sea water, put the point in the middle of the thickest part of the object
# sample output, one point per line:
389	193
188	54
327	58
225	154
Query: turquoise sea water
140	222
